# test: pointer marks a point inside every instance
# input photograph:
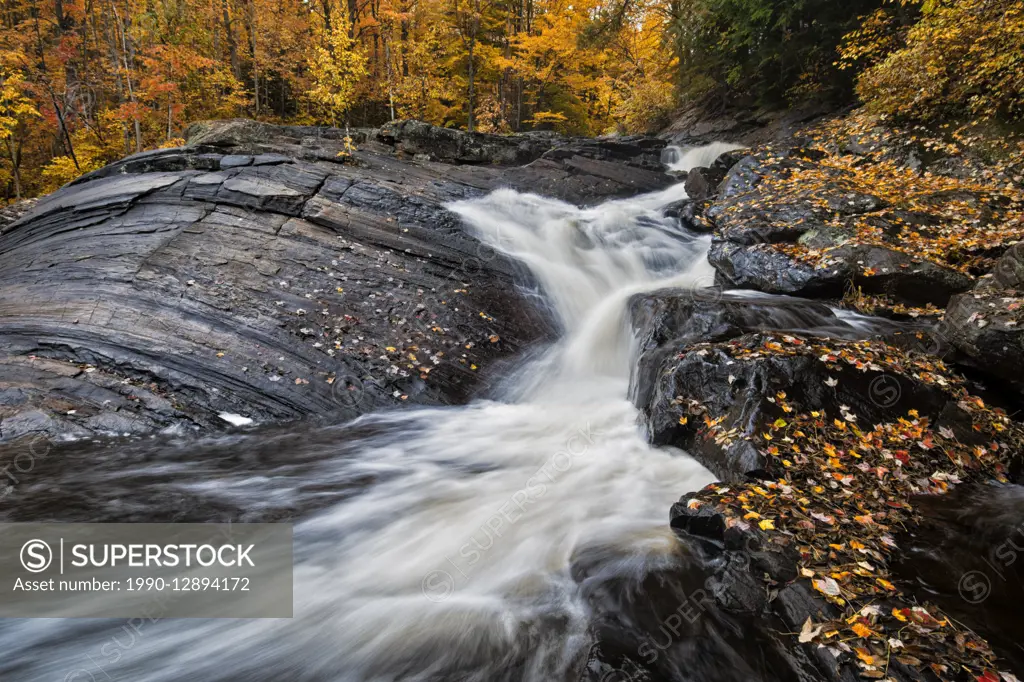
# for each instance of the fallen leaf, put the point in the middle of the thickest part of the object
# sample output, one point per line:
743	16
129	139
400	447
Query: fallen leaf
809	631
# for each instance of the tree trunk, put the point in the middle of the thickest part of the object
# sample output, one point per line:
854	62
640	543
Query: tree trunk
128	54
229	35
15	153
255	60
472	76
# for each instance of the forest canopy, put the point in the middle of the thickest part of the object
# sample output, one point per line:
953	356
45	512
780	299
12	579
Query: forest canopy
84	82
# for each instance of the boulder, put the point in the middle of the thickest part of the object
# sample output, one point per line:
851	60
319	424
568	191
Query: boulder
690	215
1009	270
779	236
985	325
965	555
874	269
726	356
702	183
666	322
449	145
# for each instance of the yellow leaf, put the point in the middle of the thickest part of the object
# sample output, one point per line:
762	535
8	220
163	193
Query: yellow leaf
861	630
766	524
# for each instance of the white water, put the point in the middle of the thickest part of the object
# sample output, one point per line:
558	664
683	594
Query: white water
456	563
679	159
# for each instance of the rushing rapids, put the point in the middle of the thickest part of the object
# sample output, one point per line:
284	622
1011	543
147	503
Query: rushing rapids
432	544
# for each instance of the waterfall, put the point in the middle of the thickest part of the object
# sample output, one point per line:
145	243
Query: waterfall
455	562
679	159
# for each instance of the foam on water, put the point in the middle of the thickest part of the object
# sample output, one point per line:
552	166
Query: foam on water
455	563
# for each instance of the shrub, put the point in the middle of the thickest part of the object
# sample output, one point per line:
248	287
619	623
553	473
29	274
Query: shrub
964	57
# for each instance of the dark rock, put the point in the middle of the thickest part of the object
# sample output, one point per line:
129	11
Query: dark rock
749	218
702	183
742	392
665	322
725	163
853	203
742	177
875	269
965	556
681	317
825	238
704	616
1009	270
235	161
690	215
987	327
458	146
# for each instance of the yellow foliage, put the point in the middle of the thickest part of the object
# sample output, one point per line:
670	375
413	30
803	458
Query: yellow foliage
335	66
93	150
14	105
172	143
554	120
646	106
963	56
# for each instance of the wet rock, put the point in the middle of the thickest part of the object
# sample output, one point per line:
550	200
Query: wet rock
875	269
987	327
742	177
707	379
690	215
965	556
818	227
702	183
1009	270
258	273
668	321
700	614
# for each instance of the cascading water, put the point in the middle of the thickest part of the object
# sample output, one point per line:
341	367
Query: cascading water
679	159
452	560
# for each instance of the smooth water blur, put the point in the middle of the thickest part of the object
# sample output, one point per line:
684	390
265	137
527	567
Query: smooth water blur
453	562
683	159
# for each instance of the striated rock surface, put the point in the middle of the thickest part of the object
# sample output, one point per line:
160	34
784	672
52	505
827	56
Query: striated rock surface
270	272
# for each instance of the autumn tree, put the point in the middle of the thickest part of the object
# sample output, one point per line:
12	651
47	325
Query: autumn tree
15	111
963	58
335	65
